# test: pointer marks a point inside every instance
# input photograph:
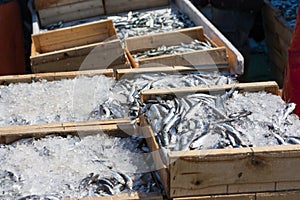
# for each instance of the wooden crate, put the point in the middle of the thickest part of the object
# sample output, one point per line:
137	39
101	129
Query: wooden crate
116	128
84	47
278	36
118	6
54	11
223	171
215	58
290	195
235	58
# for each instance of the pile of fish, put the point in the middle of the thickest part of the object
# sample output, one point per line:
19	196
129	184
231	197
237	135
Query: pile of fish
139	23
88	98
133	86
55	167
229	120
151	21
195	45
288	10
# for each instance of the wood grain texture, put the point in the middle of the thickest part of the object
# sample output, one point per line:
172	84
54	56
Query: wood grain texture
28	78
70	11
195	172
9	134
117	6
75	36
88	57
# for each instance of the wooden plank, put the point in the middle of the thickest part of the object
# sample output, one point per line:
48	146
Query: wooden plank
290	185
70	12
9	134
157	156
221	197
236	60
42	4
130	73
269	86
93	32
130	196
28	78
89	57
117	6
141	43
214	58
279	196
194	172
257	187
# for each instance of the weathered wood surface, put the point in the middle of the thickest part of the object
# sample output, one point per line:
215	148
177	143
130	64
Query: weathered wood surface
9	134
54	11
118	6
54	76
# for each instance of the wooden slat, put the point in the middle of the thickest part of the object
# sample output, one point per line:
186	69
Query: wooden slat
292	195
213	58
9	134
141	43
236	60
279	196
221	197
28	78
257	187
42	4
89	57
269	86
75	36
194	173
70	12
130	73
117	6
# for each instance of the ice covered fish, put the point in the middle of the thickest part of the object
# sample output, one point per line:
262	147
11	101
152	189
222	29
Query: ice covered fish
78	99
133	86
231	120
62	167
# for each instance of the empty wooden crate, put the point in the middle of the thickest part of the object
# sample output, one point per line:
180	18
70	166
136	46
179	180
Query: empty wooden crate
215	57
93	45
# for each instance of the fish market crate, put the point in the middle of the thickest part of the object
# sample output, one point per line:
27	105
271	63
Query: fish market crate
292	195
84	47
118	6
278	35
55	11
113	129
222	171
210	55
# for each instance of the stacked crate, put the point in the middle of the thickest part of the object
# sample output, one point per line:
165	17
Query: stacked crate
246	173
278	35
